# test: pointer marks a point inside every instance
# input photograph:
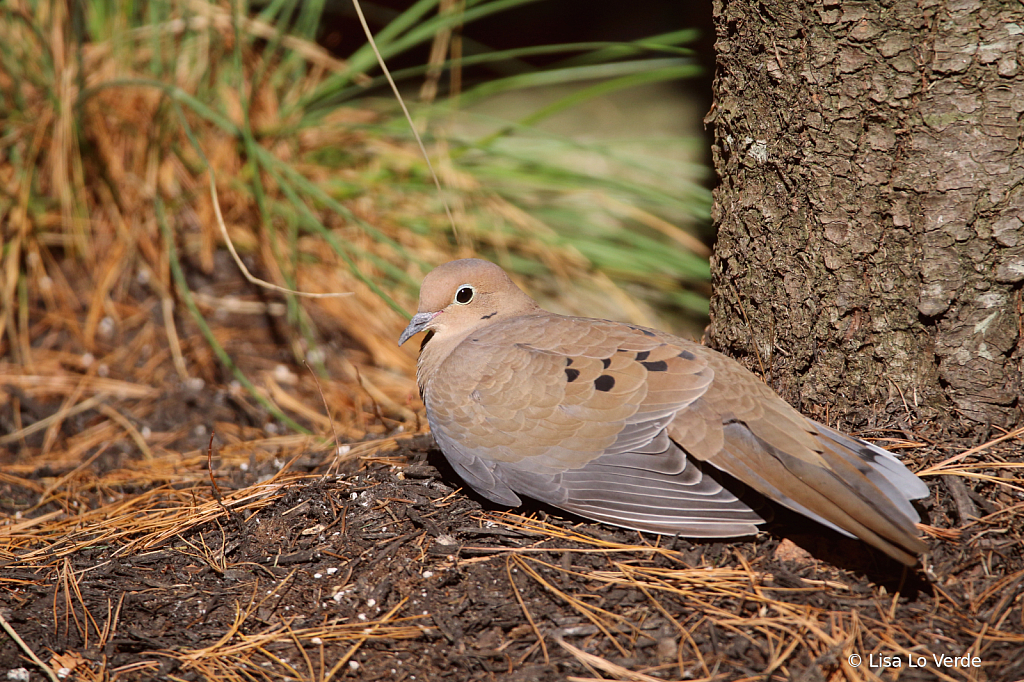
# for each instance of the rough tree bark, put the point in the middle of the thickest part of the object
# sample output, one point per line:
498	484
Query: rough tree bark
871	243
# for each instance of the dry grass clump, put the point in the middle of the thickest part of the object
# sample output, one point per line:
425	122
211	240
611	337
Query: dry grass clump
127	132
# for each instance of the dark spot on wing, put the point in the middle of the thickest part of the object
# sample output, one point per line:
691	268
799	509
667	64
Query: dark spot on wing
487	317
606	362
656	366
572	374
568	362
604	382
687	355
642	355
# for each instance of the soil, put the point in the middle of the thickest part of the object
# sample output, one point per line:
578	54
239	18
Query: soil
385	570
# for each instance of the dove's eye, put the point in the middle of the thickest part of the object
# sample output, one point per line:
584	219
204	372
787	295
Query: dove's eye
464	295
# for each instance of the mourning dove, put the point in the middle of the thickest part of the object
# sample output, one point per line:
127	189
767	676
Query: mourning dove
632	426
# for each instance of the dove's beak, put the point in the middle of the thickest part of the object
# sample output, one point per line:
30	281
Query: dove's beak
417	324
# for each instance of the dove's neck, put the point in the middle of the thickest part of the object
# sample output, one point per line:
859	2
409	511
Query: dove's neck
435	350
446	339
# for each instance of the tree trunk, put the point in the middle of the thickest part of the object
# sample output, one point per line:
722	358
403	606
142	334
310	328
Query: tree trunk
870	236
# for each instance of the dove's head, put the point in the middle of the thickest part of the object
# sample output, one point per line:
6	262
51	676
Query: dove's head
463	295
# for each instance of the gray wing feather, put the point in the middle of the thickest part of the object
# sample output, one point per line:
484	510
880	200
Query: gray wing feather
665	492
880	466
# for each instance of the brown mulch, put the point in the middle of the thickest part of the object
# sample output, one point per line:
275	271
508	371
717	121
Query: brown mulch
383	570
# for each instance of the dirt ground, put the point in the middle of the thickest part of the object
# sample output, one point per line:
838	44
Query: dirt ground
384	570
